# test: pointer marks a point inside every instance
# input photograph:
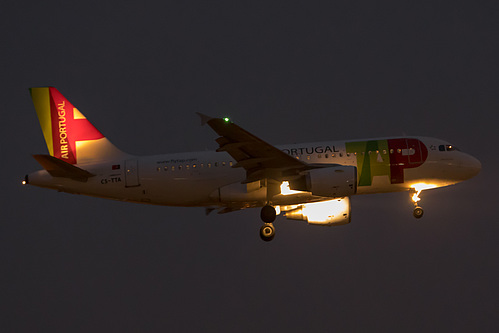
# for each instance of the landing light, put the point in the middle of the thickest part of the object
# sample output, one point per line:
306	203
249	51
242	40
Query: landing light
418	187
285	190
422	186
324	211
23	182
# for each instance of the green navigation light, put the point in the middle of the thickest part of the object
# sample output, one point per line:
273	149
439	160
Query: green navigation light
226	119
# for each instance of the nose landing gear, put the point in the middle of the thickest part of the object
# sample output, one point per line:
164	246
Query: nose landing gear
418	211
268	215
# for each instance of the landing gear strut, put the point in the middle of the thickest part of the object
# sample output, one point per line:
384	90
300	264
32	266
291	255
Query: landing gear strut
268	215
418	211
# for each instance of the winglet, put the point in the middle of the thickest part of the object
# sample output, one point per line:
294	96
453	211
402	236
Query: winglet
204	118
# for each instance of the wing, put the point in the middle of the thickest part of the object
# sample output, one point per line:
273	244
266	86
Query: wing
260	159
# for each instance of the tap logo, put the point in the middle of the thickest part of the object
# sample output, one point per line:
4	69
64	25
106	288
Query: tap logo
386	158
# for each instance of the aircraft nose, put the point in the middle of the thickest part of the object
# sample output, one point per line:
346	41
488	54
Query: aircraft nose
474	166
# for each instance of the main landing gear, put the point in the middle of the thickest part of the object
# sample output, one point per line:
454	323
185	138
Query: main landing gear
418	211
268	215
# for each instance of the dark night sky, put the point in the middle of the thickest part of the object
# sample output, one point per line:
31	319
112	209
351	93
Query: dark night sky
288	72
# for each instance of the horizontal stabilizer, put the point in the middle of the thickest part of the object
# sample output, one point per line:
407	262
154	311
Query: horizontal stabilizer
58	168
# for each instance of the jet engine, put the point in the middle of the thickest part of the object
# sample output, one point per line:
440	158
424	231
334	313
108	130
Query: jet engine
327	213
336	181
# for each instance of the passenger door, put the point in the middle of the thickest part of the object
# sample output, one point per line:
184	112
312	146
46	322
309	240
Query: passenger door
131	173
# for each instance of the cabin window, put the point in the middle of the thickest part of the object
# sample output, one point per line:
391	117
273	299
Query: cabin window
187	166
341	154
209	165
194	165
319	156
180	167
230	163
159	169
333	155
173	168
384	151
201	165
326	155
391	151
216	164
165	168
399	150
223	163
308	157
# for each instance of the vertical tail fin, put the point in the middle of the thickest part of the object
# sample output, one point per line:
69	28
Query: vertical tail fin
69	135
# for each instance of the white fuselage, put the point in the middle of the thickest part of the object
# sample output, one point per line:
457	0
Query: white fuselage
196	179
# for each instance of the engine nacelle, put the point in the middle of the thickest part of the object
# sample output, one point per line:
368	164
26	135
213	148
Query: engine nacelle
328	213
335	181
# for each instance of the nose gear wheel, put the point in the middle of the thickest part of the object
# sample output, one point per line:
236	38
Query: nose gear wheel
418	212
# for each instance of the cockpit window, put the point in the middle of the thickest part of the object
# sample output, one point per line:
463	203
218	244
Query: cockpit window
447	148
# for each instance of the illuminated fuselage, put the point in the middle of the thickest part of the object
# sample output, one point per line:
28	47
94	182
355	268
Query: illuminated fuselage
200	178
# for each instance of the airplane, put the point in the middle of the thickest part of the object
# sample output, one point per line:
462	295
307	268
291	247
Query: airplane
310	182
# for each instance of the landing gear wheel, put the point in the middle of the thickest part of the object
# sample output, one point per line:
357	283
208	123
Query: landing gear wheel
267	232
268	214
418	212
